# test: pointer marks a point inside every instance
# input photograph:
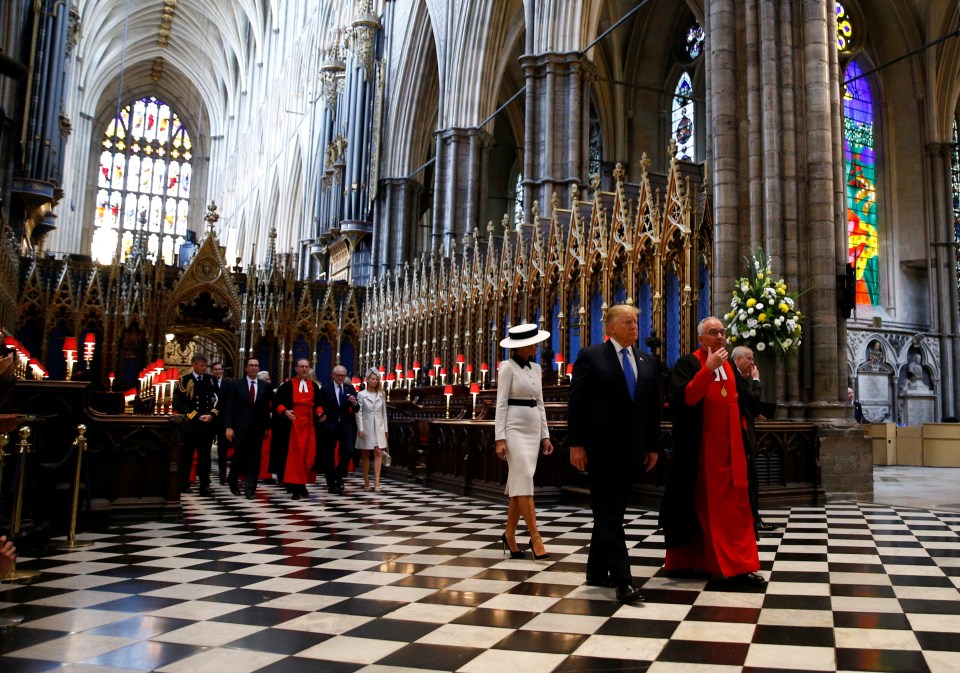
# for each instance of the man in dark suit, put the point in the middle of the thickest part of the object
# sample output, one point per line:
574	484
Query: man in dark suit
750	391
613	418
195	398
223	444
339	401
246	421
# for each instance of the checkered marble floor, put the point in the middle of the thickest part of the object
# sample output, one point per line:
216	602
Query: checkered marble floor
415	580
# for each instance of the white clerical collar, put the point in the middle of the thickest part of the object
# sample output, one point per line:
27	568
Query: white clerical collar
721	373
304	386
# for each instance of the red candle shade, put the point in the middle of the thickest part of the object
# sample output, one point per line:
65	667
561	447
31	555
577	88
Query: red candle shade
416	365
460	359
111	376
355	381
69	347
448	390
559	359
484	367
443	371
381	369
390	377
399	367
130	395
469	369
570	369
474	388
410	375
89	345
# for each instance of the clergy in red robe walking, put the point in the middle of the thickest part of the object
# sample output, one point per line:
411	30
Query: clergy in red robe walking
293	450
705	513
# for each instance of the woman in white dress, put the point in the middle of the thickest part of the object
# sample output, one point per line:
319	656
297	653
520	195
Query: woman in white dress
372	428
521	432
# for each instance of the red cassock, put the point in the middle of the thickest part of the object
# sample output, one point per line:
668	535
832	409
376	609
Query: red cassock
302	449
726	544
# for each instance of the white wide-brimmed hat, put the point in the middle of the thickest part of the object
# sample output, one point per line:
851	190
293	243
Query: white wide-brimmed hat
519	336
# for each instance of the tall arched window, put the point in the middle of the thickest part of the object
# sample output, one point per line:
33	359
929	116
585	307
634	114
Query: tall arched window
143	188
595	141
861	178
518	200
682	120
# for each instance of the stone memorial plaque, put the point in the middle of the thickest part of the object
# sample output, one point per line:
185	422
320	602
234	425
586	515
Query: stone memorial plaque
873	387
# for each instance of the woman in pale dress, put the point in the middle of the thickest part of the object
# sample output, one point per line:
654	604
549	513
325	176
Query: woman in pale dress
372	428
521	432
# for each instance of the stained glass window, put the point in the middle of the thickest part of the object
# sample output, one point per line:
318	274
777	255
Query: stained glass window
683	124
844	29
694	44
595	143
518	200
143	188
861	169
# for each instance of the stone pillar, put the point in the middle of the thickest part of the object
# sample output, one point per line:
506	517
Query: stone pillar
554	143
393	239
775	162
459	187
943	272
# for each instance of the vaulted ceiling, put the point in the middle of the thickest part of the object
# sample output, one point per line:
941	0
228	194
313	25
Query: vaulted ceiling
190	51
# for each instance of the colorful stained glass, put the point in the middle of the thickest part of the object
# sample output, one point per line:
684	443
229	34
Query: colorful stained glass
683	119
137	187
694	43
844	28
860	162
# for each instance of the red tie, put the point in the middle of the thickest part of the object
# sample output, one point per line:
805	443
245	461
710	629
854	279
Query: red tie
253	392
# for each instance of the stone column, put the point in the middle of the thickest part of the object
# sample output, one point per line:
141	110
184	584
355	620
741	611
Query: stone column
554	142
459	185
943	272
393	242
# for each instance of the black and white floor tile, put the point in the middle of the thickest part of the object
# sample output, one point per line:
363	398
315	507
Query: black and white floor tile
413	580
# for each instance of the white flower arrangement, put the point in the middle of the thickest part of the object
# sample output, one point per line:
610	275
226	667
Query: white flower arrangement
763	314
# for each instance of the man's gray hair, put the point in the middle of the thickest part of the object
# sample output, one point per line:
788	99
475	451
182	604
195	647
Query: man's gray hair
741	352
703	322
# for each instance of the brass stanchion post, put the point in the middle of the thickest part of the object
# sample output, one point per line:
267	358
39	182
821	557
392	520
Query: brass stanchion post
71	542
24	445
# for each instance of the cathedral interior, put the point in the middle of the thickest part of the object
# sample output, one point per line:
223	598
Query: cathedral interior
392	184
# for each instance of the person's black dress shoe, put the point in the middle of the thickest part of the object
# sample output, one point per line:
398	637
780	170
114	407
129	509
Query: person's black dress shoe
205	492
250	495
296	495
599	581
234	489
749	579
627	593
764	526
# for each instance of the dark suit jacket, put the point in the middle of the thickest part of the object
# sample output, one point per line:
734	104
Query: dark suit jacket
242	416
614	430
193	398
339	418
748	394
